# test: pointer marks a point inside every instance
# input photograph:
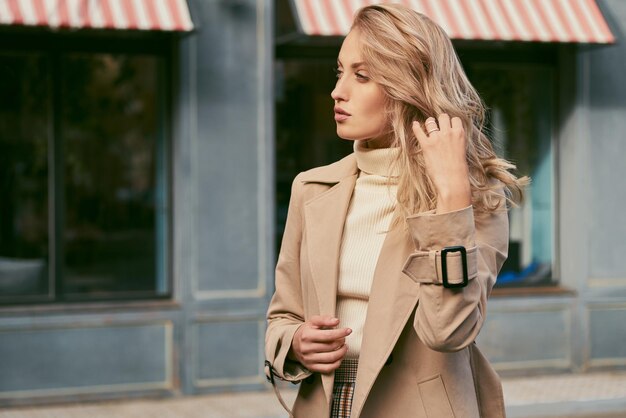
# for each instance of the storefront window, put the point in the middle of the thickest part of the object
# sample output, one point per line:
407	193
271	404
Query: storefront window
83	176
519	98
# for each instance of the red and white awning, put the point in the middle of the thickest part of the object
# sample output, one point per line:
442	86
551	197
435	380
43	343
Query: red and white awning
503	20
162	15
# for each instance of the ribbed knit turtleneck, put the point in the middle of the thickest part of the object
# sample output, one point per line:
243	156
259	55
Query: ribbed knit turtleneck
367	222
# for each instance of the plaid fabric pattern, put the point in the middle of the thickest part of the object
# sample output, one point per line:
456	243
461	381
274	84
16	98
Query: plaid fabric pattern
343	389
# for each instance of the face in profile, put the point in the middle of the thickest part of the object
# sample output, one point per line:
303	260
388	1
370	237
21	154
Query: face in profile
359	102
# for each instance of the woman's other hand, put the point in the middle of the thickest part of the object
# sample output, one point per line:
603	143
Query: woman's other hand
318	345
443	145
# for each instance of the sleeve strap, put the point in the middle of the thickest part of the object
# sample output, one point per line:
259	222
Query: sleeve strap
427	266
270	374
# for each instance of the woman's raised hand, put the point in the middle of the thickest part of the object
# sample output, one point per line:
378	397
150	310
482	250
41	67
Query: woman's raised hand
318	345
443	145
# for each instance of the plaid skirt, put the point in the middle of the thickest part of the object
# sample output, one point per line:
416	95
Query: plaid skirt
343	389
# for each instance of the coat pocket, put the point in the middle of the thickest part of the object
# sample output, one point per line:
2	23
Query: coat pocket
435	398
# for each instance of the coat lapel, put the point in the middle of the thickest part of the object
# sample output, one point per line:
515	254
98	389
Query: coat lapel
324	218
393	298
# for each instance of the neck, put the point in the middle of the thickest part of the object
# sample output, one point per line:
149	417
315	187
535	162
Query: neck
383	141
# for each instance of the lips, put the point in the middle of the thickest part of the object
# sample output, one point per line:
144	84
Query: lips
340	114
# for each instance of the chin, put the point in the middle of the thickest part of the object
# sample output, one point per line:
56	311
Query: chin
349	136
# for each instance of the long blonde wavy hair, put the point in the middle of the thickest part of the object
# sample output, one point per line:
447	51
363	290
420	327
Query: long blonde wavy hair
414	62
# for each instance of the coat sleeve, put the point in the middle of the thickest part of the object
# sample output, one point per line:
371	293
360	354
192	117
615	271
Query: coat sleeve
450	319
286	310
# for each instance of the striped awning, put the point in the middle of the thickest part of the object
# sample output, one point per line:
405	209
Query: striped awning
502	20
160	15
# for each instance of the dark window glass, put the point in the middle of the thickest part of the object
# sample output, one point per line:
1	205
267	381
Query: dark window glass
520	105
109	135
24	153
83	176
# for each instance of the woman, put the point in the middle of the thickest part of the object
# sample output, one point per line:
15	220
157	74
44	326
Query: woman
389	254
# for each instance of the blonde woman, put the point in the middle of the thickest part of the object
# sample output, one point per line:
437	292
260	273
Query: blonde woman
389	255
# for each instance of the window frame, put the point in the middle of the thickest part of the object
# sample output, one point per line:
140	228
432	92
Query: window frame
543	55
52	45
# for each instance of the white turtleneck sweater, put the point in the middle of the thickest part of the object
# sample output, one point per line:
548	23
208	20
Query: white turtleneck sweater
369	217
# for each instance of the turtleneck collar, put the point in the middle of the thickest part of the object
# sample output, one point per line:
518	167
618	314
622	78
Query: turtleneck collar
376	160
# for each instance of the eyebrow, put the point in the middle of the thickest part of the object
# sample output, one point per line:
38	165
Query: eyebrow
353	66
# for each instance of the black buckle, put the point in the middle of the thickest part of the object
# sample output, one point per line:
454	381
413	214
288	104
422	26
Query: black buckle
270	375
444	268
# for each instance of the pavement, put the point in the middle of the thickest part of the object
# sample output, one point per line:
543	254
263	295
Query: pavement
589	395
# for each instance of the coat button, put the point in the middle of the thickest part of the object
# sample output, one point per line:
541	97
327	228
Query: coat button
389	360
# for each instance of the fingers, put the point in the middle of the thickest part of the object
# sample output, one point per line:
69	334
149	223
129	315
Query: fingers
323	321
323	347
434	128
444	156
331	335
325	368
325	362
444	122
322	329
419	132
313	335
327	357
318	345
430	125
457	123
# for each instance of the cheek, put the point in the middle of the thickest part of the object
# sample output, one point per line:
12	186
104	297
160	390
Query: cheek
376	112
375	105
382	124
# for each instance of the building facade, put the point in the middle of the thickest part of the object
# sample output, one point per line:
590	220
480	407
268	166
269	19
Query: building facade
145	176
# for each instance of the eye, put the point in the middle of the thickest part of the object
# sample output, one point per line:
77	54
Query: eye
338	72
362	77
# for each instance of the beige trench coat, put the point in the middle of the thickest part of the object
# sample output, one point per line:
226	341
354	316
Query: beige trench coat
418	357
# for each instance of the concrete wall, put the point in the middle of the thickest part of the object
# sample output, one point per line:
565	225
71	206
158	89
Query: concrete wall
602	86
210	336
585	329
224	189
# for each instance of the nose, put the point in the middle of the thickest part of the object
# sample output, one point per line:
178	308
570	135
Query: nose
339	92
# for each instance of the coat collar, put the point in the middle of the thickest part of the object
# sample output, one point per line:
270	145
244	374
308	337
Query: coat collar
332	173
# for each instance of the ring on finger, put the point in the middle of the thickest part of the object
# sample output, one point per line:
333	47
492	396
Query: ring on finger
431	125
431	130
